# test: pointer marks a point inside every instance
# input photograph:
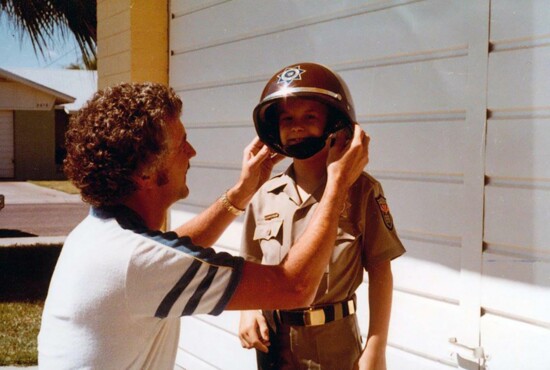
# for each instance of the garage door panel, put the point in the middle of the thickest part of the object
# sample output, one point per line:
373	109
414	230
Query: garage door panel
190	6
420	87
518	149
517	218
520	71
227	104
231	24
229	241
427	25
513	344
6	144
519	19
411	318
403	360
206	184
517	286
417	147
225	143
228	353
227	320
425	208
428	268
319	42
188	361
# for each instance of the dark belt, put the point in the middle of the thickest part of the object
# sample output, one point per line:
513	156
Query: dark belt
318	315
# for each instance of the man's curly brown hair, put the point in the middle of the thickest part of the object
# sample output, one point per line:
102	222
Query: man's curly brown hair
120	132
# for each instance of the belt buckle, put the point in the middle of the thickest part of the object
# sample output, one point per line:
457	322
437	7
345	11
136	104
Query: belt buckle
351	306
314	317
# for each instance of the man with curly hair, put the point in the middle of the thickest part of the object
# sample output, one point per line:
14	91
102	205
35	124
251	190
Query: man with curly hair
120	285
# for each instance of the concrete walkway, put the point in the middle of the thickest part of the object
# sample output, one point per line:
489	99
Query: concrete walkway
27	193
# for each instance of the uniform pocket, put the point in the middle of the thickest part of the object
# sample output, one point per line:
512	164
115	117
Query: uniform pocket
268	234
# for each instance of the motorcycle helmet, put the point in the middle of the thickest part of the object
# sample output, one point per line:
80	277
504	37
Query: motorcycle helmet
310	81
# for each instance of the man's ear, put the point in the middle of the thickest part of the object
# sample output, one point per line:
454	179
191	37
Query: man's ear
144	182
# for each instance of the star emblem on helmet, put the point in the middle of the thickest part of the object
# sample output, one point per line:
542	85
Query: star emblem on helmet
290	74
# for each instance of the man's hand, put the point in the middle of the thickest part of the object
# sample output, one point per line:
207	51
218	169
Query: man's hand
347	159
258	162
253	331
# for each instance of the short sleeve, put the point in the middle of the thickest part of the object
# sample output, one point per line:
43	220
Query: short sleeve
165	281
380	239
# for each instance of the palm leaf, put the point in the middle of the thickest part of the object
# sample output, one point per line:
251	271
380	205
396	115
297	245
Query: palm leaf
40	18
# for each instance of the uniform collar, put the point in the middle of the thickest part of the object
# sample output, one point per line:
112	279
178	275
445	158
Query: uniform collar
285	182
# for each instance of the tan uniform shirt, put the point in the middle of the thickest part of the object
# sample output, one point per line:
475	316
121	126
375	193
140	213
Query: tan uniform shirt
276	218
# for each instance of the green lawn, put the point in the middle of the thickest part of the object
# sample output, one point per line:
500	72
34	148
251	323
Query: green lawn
25	273
20	323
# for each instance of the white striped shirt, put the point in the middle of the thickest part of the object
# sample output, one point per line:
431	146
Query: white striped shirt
119	289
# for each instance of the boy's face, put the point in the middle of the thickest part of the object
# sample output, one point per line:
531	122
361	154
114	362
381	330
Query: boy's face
301	118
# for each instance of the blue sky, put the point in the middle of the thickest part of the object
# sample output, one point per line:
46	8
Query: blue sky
17	52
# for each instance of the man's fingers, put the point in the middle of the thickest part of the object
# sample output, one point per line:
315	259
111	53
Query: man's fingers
254	146
259	156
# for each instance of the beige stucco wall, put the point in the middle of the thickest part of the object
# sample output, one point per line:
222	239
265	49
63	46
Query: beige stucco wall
132	41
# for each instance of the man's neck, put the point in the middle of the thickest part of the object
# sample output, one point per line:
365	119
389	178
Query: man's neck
151	211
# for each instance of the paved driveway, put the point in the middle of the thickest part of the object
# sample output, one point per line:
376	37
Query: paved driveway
34	214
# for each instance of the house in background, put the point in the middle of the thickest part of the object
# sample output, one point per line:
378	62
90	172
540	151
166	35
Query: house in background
35	106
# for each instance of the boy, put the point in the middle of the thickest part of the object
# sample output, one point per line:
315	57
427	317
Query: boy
300	107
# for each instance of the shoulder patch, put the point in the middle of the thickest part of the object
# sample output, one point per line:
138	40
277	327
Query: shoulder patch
385	212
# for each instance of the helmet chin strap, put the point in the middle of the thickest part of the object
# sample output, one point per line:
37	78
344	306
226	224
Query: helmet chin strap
307	148
310	146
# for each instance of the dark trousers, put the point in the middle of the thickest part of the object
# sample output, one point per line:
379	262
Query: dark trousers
270	360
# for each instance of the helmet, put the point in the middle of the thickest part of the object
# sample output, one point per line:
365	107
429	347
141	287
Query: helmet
305	80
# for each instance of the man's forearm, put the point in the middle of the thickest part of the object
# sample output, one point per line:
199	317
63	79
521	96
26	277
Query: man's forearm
307	259
205	228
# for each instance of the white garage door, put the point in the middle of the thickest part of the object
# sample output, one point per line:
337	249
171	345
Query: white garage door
455	97
6	144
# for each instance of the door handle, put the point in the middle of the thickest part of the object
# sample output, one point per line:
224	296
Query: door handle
469	353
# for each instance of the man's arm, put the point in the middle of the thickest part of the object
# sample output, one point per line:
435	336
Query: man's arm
205	228
380	301
294	281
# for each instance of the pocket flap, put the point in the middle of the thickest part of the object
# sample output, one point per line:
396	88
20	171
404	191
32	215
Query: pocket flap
267	229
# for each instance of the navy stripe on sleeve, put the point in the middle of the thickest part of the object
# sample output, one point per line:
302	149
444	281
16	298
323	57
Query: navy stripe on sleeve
193	302
174	293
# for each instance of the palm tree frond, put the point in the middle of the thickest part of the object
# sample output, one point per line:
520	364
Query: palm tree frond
40	18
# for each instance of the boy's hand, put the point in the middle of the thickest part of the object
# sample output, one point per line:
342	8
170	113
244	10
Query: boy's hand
253	331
